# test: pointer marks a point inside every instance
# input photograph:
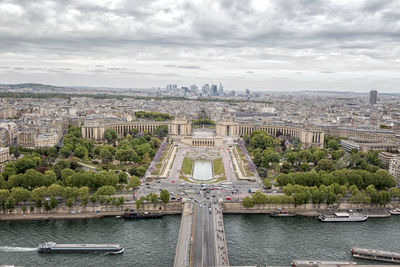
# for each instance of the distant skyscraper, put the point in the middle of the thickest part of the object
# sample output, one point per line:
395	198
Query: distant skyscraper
171	87
373	95
247	92
214	90
205	89
194	89
220	89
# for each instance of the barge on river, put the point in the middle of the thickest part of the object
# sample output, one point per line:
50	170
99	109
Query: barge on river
313	263
133	215
375	254
52	247
282	213
343	217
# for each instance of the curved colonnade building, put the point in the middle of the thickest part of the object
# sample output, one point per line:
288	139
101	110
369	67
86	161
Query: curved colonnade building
309	136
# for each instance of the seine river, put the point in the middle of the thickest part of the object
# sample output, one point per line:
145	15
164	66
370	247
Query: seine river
252	239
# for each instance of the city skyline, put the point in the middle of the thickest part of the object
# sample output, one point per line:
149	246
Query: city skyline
259	45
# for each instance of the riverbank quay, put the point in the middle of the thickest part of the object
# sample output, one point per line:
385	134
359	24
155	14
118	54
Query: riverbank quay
79	212
176	207
308	210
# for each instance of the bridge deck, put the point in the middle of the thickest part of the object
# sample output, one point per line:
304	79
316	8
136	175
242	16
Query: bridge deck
209	246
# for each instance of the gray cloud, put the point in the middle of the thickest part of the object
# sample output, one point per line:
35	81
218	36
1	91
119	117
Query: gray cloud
275	38
188	67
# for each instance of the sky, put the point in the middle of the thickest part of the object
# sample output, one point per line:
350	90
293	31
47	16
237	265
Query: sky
262	45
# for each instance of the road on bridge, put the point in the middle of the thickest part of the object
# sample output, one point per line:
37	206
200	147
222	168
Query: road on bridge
203	253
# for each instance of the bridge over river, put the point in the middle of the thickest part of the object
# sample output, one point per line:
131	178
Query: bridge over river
201	240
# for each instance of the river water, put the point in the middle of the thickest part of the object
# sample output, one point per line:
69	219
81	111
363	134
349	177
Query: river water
252	239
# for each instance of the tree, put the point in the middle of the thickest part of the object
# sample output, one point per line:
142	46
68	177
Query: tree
161	131
4	194
354	190
122	178
49	178
248	202
53	203
65	152
267	183
106	156
332	198
304	167
140	201
146	158
38	193
333	144
47	205
111	136
10	203
55	190
65	174
120	201
9	170
106	190
70	202
70	192
127	155
84	200
134	183
326	165
25	164
59	166
83	192
164	196
93	199
261	139
292	157
140	171
153	198
81	152
20	194
371	190
301	197
317	196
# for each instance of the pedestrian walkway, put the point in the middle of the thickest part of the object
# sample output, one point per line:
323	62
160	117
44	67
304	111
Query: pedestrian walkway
182	252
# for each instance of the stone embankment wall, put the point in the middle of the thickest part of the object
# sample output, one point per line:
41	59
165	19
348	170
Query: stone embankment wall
306	210
77	212
88	212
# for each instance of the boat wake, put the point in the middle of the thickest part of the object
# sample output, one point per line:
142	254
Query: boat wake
113	253
16	249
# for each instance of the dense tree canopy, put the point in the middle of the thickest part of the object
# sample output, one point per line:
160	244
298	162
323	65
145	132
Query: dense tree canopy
360	178
155	116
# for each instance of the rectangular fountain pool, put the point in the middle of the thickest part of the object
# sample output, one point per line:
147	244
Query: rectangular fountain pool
202	170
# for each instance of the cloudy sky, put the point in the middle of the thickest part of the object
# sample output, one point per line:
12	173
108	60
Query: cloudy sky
261	45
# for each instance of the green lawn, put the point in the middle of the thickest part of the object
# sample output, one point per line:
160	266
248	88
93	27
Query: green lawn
187	166
218	166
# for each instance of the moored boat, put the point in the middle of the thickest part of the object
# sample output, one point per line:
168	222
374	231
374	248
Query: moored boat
343	217
375	254
306	263
52	247
133	215
394	211
282	213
